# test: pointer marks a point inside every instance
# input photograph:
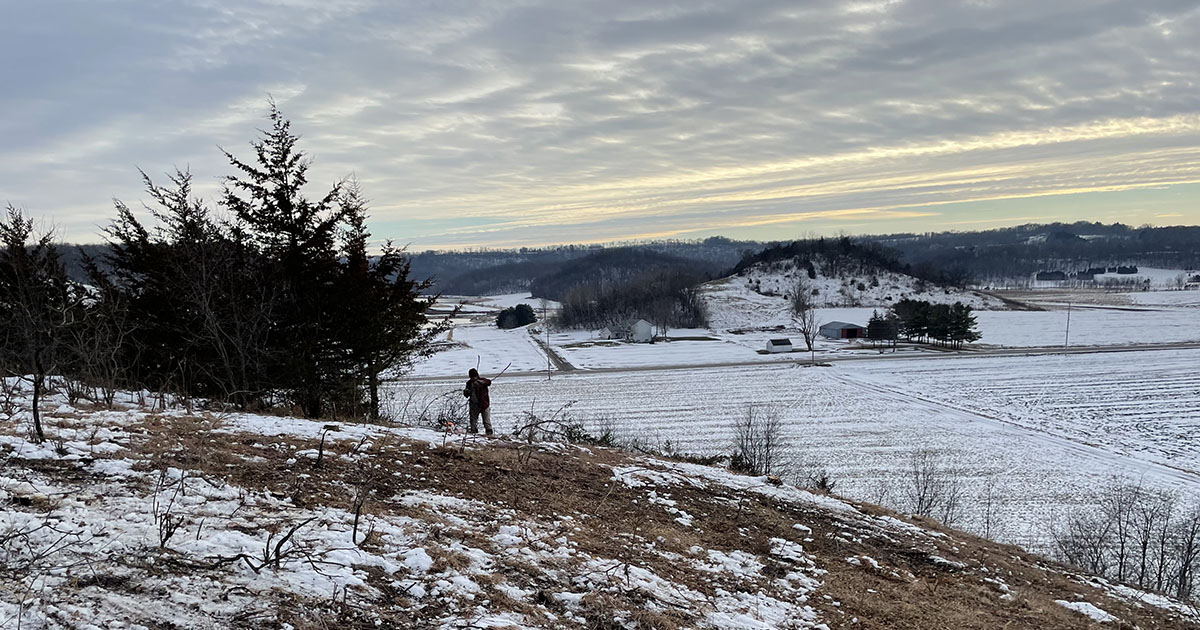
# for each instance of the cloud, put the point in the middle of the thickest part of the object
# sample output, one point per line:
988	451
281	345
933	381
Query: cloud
532	122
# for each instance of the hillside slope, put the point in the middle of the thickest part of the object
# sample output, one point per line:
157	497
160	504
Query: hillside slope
1018	252
758	296
136	519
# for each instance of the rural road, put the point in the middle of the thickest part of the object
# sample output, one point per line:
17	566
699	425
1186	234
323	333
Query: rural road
802	357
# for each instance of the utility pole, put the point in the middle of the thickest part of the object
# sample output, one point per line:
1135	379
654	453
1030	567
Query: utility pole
546	325
1067	339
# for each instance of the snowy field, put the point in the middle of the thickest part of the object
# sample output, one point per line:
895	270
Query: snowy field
1148	317
132	518
1141	404
1015	329
866	433
1090	326
484	345
496	302
1190	299
584	350
478	341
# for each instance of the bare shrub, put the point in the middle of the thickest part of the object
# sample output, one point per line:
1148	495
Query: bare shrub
558	426
443	412
815	476
932	488
165	518
275	550
759	443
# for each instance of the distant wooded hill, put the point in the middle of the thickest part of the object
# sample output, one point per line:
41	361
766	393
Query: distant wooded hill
943	257
1023	250
615	267
553	270
848	255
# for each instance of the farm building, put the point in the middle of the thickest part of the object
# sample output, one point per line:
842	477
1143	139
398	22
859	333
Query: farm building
779	345
638	331
842	330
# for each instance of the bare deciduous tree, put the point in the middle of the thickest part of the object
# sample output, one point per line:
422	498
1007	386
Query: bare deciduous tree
1135	535
804	312
990	513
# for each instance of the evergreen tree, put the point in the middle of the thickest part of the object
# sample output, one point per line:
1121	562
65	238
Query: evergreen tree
200	294
281	302
946	324
38	306
962	324
298	237
516	316
381	317
939	322
881	328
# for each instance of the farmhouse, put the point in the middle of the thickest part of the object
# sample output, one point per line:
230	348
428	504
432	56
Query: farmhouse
638	331
779	345
842	330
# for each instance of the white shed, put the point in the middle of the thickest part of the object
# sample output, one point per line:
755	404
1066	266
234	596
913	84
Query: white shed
641	331
779	345
636	330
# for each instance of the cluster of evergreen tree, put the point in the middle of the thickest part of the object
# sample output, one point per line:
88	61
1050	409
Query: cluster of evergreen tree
883	329
944	324
515	316
276	302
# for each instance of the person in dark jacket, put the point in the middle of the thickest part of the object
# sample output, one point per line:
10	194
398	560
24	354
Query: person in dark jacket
476	392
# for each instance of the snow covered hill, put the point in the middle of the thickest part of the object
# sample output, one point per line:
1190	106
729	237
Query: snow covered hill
758	297
134	518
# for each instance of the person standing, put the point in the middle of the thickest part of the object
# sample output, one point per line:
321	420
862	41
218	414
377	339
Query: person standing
476	392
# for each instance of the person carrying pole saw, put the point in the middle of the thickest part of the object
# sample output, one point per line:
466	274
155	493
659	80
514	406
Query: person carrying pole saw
476	393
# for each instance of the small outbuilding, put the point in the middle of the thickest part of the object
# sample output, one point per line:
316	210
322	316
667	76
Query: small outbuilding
779	345
641	331
843	330
637	331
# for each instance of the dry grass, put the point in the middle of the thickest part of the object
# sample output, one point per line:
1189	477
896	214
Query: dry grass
909	591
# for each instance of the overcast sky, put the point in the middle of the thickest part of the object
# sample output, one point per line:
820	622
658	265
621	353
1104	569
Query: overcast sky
526	123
